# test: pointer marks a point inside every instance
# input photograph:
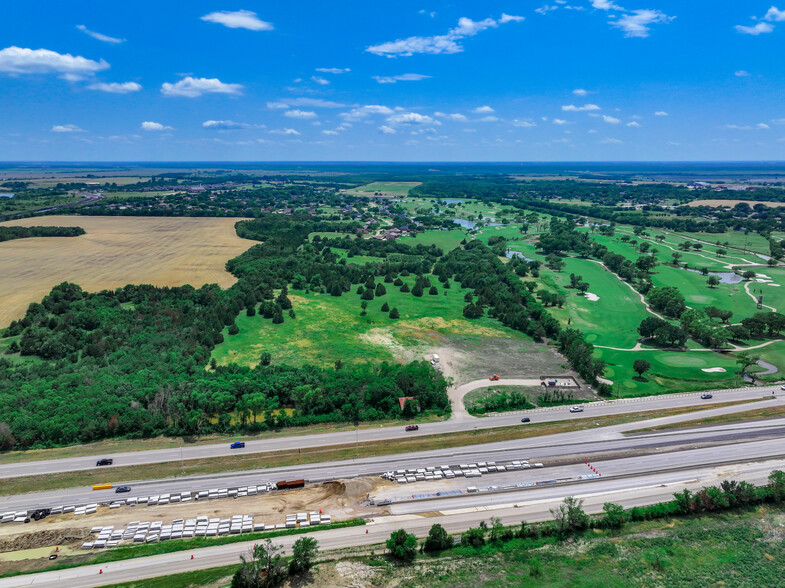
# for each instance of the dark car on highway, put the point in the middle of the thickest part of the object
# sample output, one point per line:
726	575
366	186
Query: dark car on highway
412	427
121	489
526	420
237	445
706	396
104	461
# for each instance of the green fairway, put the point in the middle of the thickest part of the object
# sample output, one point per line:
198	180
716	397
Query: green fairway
446	240
329	328
612	320
396	189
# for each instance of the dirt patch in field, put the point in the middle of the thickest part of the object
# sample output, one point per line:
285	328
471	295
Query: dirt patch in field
67	536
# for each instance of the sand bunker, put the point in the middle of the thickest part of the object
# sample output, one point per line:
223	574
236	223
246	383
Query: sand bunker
592	297
714	370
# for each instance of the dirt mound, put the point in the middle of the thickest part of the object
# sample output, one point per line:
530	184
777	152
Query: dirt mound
335	488
45	539
359	487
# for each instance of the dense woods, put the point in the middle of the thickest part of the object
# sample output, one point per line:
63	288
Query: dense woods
9	233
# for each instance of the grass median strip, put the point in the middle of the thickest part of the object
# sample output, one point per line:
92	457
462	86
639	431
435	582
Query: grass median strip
255	461
150	549
749	415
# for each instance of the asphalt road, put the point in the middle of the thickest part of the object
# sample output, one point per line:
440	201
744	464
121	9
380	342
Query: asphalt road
545	448
537	416
631	492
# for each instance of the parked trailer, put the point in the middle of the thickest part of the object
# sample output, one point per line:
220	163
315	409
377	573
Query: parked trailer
102	487
288	484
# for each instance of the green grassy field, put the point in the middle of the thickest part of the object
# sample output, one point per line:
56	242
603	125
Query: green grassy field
329	328
396	189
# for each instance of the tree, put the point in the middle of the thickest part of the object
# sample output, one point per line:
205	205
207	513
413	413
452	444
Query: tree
278	316
676	257
433	291
437	540
583	287
283	300
713	281
405	287
233	329
418	289
721	252
266	358
554	262
367	294
641	366
336	290
380	289
385	307
614	516
748	275
746	360
304	552
394	313
6	437
569	515
474	536
250	311
402	546
265	569
13	348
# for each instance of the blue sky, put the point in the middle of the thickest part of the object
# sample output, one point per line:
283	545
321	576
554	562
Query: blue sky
563	80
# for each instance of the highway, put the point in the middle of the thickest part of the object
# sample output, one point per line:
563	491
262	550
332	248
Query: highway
545	448
530	506
538	416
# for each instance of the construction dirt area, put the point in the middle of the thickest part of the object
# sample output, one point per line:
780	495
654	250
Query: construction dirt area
28	546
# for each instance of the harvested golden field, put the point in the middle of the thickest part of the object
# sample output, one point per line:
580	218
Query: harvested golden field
115	251
732	203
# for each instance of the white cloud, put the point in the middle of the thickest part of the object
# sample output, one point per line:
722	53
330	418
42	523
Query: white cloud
333	70
320	81
240	19
758	29
149	125
363	111
67	129
483	110
660	113
779	121
99	36
411	118
409	77
545	9
524	124
633	124
584	108
605	5
17	60
560	121
277	105
611	141
311	102
116	88
580	92
775	15
610	120
301	114
759	126
387	130
329	132
190	87
489	119
284	132
224	125
742	73
637	24
439	44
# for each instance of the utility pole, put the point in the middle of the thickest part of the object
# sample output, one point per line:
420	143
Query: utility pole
357	442
182	462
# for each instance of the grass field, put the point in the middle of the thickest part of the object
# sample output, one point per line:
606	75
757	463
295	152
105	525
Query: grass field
328	328
390	189
732	203
116	251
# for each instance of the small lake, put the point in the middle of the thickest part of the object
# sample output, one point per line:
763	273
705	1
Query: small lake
510	254
467	224
451	201
6	194
725	277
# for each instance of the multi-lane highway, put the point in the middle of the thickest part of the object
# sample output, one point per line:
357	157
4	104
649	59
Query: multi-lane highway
537	416
545	448
529	506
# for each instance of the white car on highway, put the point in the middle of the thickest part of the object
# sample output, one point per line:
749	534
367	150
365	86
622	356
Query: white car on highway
576	409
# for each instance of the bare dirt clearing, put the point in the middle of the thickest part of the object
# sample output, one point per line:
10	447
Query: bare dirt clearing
115	251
